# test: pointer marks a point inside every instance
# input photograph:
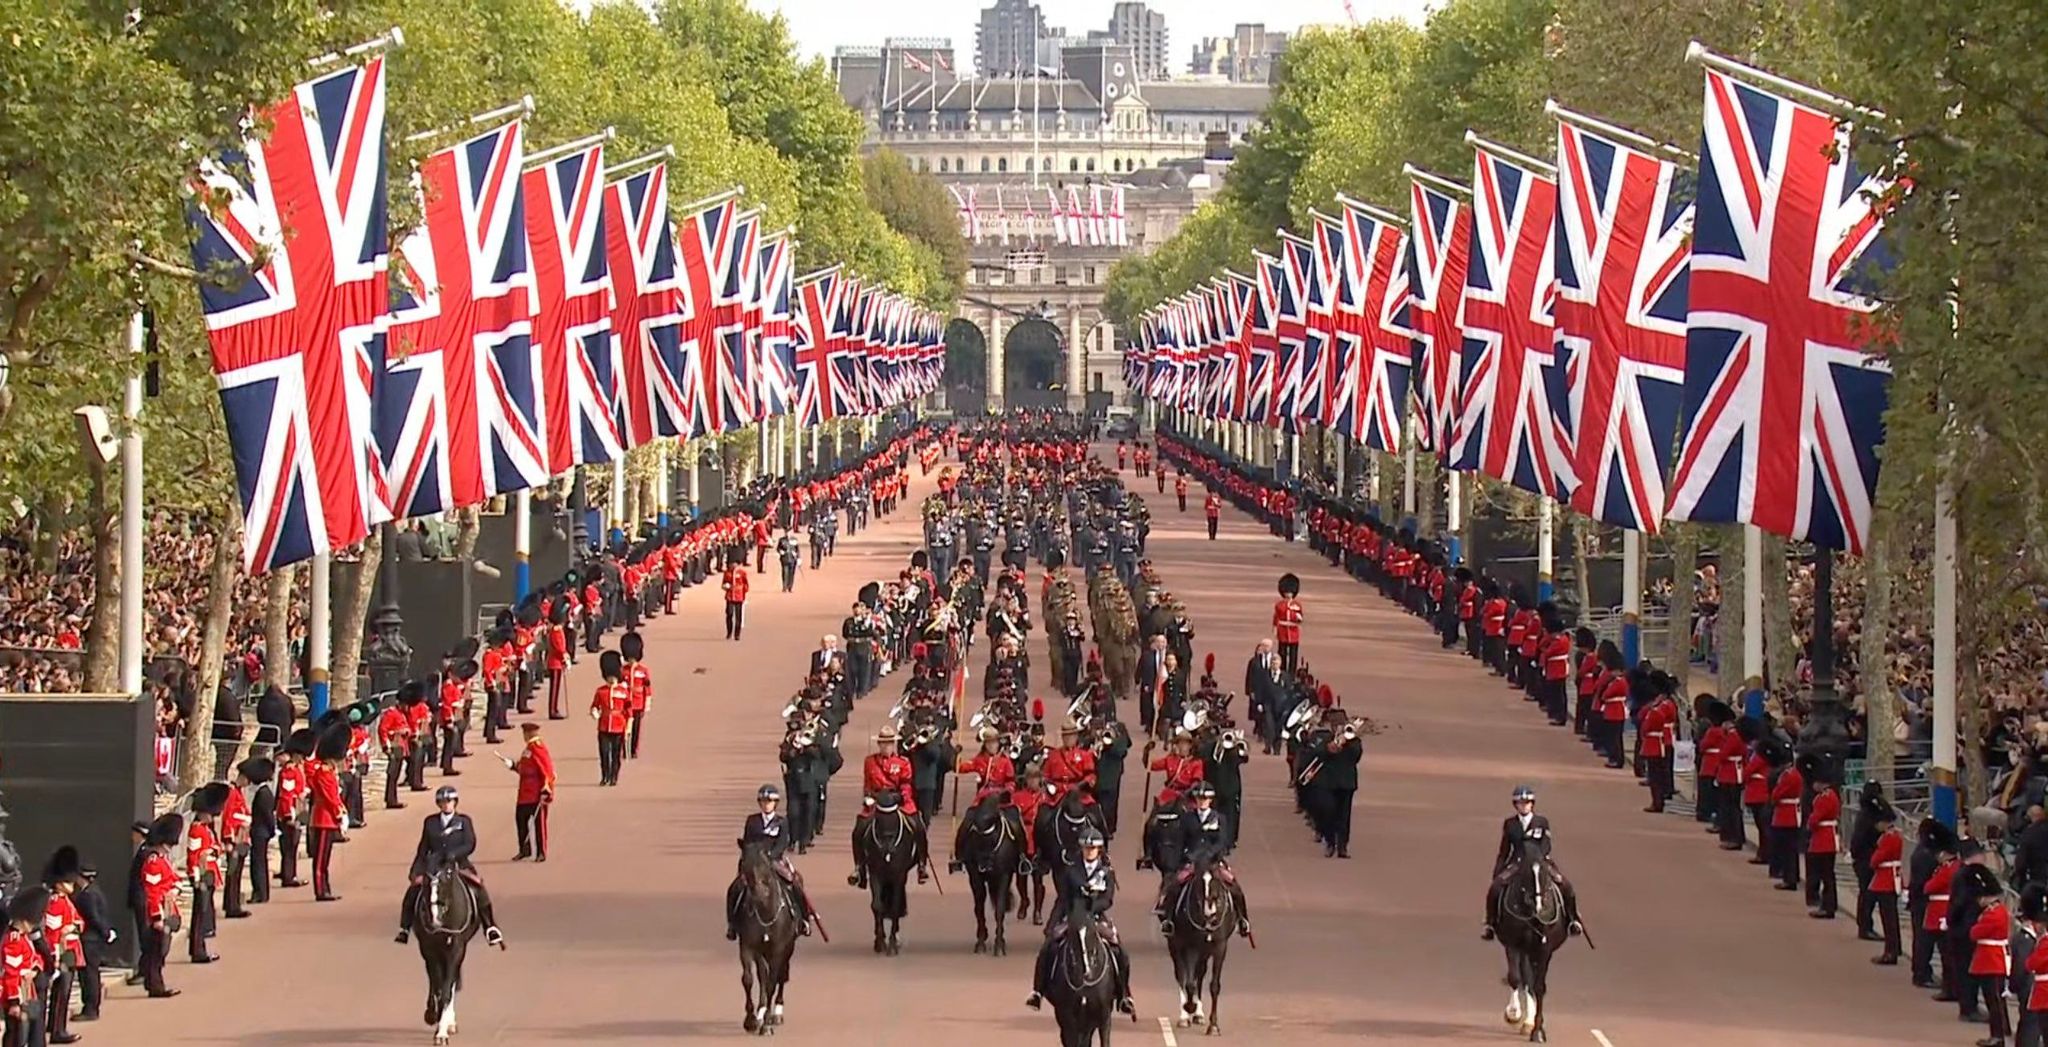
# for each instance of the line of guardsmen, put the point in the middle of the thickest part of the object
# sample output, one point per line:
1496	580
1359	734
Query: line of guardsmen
1748	775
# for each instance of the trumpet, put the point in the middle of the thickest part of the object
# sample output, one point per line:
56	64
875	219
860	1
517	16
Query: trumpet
1351	728
1233	739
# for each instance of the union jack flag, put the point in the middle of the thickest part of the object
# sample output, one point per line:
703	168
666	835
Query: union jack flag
730	381
1439	242
847	351
1372	313
1243	297
475	316
1290	324
777	345
1624	220
573	327
1784	408
816	332
1313	325
659	368
1263	380
1508	379
713	306
296	317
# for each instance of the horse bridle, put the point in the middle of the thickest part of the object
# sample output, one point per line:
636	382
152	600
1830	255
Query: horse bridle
1541	887
1084	932
1215	916
433	900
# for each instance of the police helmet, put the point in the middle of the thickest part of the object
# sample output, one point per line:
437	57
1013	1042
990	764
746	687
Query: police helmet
1202	791
446	794
1091	837
1525	792
768	792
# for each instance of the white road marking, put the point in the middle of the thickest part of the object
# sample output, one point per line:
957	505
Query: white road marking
1166	1033
1602	1037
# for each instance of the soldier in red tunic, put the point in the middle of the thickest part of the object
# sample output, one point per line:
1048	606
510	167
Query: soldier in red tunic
1990	954
735	586
886	770
1885	879
1287	622
1822	843
323	787
1070	766
1657	731
203	865
536	770
1212	508
612	707
641	685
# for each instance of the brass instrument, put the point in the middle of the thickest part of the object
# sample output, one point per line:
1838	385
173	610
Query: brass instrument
1233	739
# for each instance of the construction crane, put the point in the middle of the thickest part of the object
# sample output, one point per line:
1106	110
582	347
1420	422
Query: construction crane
1350	12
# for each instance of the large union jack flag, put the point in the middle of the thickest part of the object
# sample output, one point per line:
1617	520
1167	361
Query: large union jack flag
846	353
817	310
573	328
1784	408
1439	242
463	316
1372	316
776	295
1510	389
1624	223
1309	263
659	368
291	233
731	378
709	236
1263	382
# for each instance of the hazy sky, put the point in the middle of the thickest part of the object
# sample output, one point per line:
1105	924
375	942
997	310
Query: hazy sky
821	25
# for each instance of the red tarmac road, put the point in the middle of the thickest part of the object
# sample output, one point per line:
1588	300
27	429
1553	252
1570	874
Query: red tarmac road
619	937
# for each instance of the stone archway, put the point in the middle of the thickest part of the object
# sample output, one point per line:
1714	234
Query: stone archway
966	383
1034	366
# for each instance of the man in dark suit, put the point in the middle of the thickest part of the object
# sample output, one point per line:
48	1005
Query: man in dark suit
1266	694
447	837
1152	674
99	934
2030	865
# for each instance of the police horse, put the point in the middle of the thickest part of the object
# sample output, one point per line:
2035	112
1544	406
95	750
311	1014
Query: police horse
1059	828
888	846
445	918
1082	986
1533	923
992	850
1200	920
769	922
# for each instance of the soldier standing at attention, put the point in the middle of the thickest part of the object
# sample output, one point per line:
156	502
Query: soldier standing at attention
394	735
1821	844
536	770
1180	489
1212	507
638	683
612	708
735	586
1287	621
202	865
323	786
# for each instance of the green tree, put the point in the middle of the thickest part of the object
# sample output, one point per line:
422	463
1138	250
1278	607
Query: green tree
914	204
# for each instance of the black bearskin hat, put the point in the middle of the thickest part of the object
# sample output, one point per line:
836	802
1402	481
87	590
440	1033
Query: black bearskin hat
463	650
210	798
257	769
1748	728
302	742
1981	878
1463	574
64	865
412	692
1290	584
334	742
529	613
465	670
2034	903
920	560
166	831
558	614
1585	638
1935	834
611	666
633	646
675	536
29	907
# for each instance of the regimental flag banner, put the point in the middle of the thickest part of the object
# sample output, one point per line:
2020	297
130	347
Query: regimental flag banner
572	328
291	234
730	380
1624	225
1057	215
817	304
707	237
1119	222
1439	242
463	320
777	339
659	370
1373	326
1077	217
1511	393
1784	405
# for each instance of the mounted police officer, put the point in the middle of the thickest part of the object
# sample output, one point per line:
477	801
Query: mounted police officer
447	837
1524	841
768	827
1086	885
1206	837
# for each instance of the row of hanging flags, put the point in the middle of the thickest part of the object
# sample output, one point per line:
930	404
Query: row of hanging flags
548	313
1610	330
1091	216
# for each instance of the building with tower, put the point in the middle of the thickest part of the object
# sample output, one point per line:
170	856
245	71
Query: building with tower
1006	42
1143	31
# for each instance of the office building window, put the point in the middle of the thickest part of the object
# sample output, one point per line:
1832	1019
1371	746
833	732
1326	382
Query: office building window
984	165
1074	164
1091	163
1002	163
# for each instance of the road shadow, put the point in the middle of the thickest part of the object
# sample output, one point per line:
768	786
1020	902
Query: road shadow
647	1029
1395	1030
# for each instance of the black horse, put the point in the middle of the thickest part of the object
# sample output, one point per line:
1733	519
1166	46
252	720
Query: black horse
992	850
1201	916
888	845
1083	981
444	919
1059	829
1534	922
769	922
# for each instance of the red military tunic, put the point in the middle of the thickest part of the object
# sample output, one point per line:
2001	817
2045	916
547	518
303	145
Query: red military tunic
1557	657
735	585
1287	620
1785	794
1885	860
202	852
1068	767
1827	814
1028	801
536	768
234	817
1989	937
1495	616
159	886
996	771
1659	728
1613	698
1212	506
20	964
2037	967
1937	890
324	786
1756	780
613	704
1182	772
558	646
394	730
64	930
1710	753
639	684
882	772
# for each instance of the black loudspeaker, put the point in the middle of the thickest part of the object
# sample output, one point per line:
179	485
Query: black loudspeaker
79	769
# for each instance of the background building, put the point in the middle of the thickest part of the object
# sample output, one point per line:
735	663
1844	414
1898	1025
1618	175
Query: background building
1250	55
1143	30
1007	41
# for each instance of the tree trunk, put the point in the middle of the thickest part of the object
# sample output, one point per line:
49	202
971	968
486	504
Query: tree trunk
1970	726
1685	558
469	524
1781	648
103	635
196	767
349	620
1426	480
1474	492
1874	671
1728	625
1582	584
277	616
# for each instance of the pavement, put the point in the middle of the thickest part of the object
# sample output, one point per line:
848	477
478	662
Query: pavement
619	937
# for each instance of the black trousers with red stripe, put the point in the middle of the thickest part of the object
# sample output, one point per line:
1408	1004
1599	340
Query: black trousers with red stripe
555	694
323	860
532	821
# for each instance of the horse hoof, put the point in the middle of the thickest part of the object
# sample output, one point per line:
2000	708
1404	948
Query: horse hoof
1002	948
881	946
980	947
750	1024
1213	1029
1538	1036
1183	1021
